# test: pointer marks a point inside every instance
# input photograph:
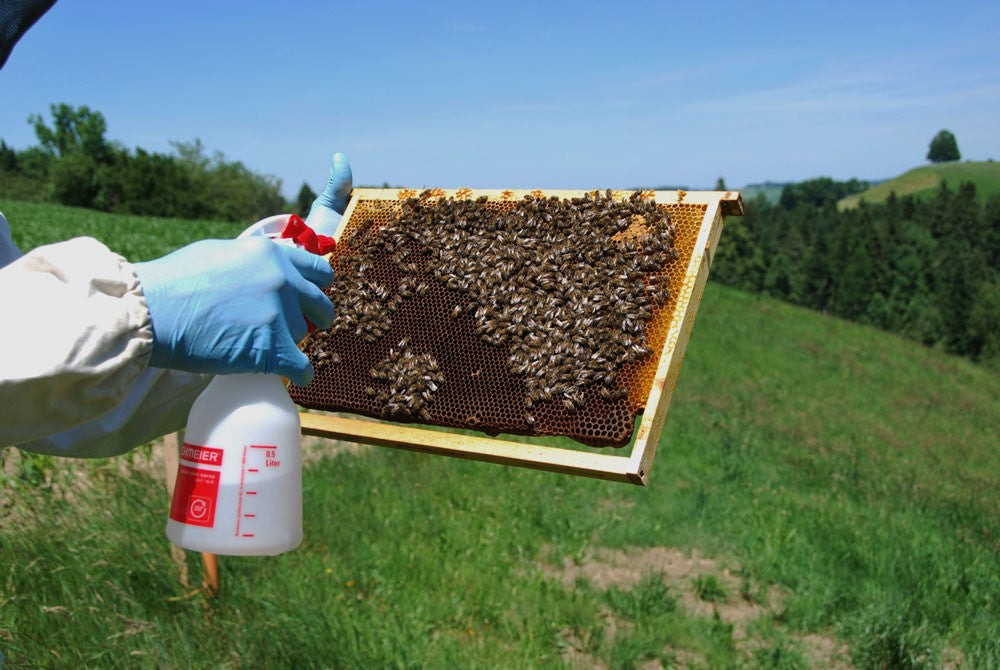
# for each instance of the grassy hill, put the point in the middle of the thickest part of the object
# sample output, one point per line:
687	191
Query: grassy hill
821	489
924	181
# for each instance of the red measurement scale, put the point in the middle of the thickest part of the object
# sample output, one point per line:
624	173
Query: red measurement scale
259	461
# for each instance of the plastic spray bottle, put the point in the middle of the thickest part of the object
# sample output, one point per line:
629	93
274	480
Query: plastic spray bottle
239	482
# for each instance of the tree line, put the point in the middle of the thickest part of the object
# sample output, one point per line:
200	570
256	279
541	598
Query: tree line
75	164
928	269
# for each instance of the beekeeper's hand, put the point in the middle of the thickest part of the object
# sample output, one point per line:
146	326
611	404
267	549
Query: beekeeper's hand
331	203
225	306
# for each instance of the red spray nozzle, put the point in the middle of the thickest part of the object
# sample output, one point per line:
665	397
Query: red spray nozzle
296	229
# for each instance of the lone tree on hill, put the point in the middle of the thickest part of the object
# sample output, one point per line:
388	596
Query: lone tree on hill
943	148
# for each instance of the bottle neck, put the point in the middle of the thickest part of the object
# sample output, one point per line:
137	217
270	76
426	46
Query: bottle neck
249	382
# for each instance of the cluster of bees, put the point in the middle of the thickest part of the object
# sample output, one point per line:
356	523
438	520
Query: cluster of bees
565	286
404	383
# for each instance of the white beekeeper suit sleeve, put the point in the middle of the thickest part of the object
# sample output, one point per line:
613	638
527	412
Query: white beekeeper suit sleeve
74	354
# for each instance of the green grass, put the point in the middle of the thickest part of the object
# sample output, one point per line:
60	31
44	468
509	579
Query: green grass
924	181
137	238
708	587
853	470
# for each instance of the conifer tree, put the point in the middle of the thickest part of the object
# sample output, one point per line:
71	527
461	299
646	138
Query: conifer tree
8	158
304	200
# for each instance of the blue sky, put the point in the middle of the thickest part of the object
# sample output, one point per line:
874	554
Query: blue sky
525	95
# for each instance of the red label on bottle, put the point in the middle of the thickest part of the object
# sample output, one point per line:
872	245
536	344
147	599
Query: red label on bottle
195	495
206	455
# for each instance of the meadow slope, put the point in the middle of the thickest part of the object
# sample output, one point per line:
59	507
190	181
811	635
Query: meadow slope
833	481
824	495
924	181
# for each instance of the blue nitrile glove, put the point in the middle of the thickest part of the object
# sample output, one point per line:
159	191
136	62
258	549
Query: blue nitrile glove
324	215
226	306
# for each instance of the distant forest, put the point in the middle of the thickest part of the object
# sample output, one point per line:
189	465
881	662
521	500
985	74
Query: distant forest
75	164
928	269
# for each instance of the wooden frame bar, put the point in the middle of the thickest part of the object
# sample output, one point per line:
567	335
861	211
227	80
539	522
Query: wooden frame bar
633	468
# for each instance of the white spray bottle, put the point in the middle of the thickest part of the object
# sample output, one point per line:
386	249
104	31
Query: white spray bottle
239	482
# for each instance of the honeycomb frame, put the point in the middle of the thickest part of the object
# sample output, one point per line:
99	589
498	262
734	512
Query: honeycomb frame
696	253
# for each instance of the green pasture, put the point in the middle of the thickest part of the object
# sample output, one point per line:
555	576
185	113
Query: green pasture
923	182
824	495
137	238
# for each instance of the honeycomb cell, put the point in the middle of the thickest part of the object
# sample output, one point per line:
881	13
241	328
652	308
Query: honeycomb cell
535	316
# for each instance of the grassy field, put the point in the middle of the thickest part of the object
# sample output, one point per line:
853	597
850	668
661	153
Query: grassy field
923	182
824	495
137	238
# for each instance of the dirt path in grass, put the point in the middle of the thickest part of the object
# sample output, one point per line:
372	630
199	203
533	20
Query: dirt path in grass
683	573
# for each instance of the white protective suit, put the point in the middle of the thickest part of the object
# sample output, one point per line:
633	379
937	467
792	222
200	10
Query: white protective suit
75	344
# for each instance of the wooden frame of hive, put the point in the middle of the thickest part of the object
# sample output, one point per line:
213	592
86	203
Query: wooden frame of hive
635	466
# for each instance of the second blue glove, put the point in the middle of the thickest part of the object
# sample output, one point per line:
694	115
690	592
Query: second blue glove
330	204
